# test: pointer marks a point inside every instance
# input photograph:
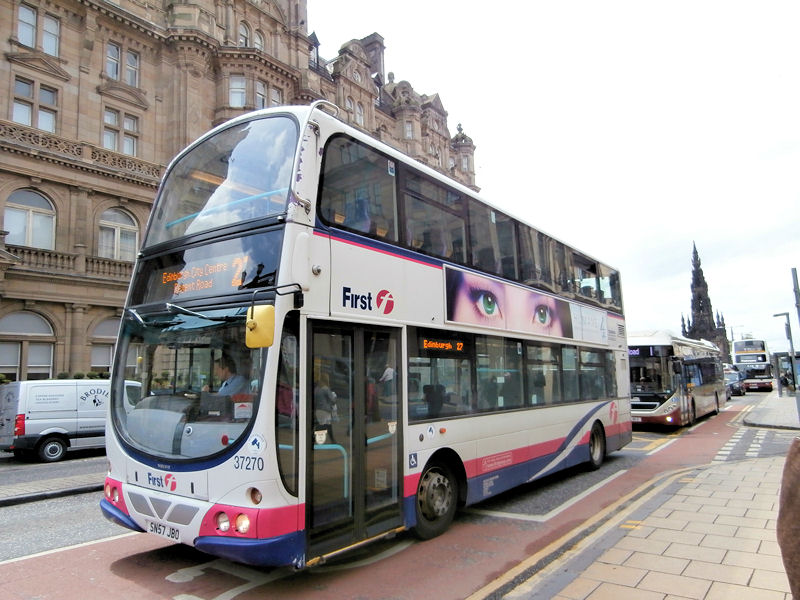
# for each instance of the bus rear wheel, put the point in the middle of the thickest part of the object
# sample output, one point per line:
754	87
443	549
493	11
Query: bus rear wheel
597	447
436	501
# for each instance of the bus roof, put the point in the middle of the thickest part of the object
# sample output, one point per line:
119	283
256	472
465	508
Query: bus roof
303	113
664	337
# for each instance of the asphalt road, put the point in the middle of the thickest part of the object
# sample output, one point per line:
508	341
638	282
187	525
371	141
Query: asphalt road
486	539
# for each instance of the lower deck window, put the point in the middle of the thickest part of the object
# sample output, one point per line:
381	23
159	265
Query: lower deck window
455	374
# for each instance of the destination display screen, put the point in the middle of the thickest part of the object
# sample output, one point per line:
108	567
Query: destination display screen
648	351
441	345
751	358
222	268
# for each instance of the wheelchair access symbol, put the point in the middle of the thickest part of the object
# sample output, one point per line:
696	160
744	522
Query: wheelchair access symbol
412	460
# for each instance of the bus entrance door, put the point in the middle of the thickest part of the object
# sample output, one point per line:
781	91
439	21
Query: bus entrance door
354	471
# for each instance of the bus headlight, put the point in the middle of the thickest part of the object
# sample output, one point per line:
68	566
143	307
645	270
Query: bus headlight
242	523
223	522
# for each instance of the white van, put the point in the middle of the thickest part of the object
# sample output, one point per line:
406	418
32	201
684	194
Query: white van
50	416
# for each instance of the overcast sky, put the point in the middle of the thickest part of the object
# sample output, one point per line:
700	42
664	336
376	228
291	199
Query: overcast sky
628	129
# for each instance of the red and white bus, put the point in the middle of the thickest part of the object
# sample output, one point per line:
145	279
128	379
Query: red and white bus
336	343
674	380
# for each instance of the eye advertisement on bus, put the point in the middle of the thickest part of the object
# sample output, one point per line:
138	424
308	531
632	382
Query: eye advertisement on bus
478	300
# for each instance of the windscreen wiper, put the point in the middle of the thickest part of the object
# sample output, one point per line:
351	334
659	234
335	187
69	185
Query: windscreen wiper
258	279
159	324
174	308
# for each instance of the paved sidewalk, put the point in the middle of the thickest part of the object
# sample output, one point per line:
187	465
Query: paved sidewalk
775	411
708	533
19	493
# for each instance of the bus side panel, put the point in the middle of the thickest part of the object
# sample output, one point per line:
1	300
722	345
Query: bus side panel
546	443
380	284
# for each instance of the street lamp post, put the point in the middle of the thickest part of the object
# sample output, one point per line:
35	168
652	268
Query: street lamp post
792	365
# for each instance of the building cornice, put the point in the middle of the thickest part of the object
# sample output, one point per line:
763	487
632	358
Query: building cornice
227	54
126	18
50	148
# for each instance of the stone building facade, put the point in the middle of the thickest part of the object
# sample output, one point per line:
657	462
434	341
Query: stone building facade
99	95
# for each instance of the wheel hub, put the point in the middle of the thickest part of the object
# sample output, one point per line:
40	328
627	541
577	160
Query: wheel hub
435	495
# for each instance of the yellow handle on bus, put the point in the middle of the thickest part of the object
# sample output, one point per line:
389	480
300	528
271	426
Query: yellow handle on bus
260	326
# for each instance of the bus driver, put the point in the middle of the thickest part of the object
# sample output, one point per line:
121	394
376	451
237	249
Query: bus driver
225	371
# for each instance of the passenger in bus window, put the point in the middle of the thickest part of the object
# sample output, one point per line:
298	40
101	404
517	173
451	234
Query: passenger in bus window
537	383
434	398
387	380
324	406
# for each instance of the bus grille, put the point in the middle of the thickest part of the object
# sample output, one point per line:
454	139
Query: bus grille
180	514
644	405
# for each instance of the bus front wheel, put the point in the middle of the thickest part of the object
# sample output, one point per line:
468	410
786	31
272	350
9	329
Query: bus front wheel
437	497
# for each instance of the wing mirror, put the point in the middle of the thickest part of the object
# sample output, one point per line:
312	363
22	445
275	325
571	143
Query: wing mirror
260	326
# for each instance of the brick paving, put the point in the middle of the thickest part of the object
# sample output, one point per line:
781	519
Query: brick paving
709	535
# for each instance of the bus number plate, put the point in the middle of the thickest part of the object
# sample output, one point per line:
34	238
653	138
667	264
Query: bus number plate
636	419
165	531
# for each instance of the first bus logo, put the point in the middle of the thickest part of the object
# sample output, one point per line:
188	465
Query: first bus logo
383	301
167	482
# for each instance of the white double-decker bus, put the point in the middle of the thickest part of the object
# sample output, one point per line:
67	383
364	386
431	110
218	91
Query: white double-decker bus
336	343
752	359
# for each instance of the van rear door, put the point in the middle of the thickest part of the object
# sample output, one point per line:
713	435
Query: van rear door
9	400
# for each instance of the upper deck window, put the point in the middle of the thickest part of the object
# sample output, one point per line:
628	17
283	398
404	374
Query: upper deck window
749	346
241	173
358	189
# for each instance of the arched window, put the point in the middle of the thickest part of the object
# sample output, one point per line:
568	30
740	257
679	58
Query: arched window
26	346
244	35
349	105
119	235
360	114
30	220
103	338
258	41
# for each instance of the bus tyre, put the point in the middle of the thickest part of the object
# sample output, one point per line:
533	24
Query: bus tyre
597	447
52	449
436	500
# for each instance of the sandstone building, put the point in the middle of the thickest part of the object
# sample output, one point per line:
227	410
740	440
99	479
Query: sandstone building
99	95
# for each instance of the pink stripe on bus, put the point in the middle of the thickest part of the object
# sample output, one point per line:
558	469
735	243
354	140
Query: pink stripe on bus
378	250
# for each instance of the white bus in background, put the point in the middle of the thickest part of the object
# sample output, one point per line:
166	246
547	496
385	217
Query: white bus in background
337	343
752	358
674	380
